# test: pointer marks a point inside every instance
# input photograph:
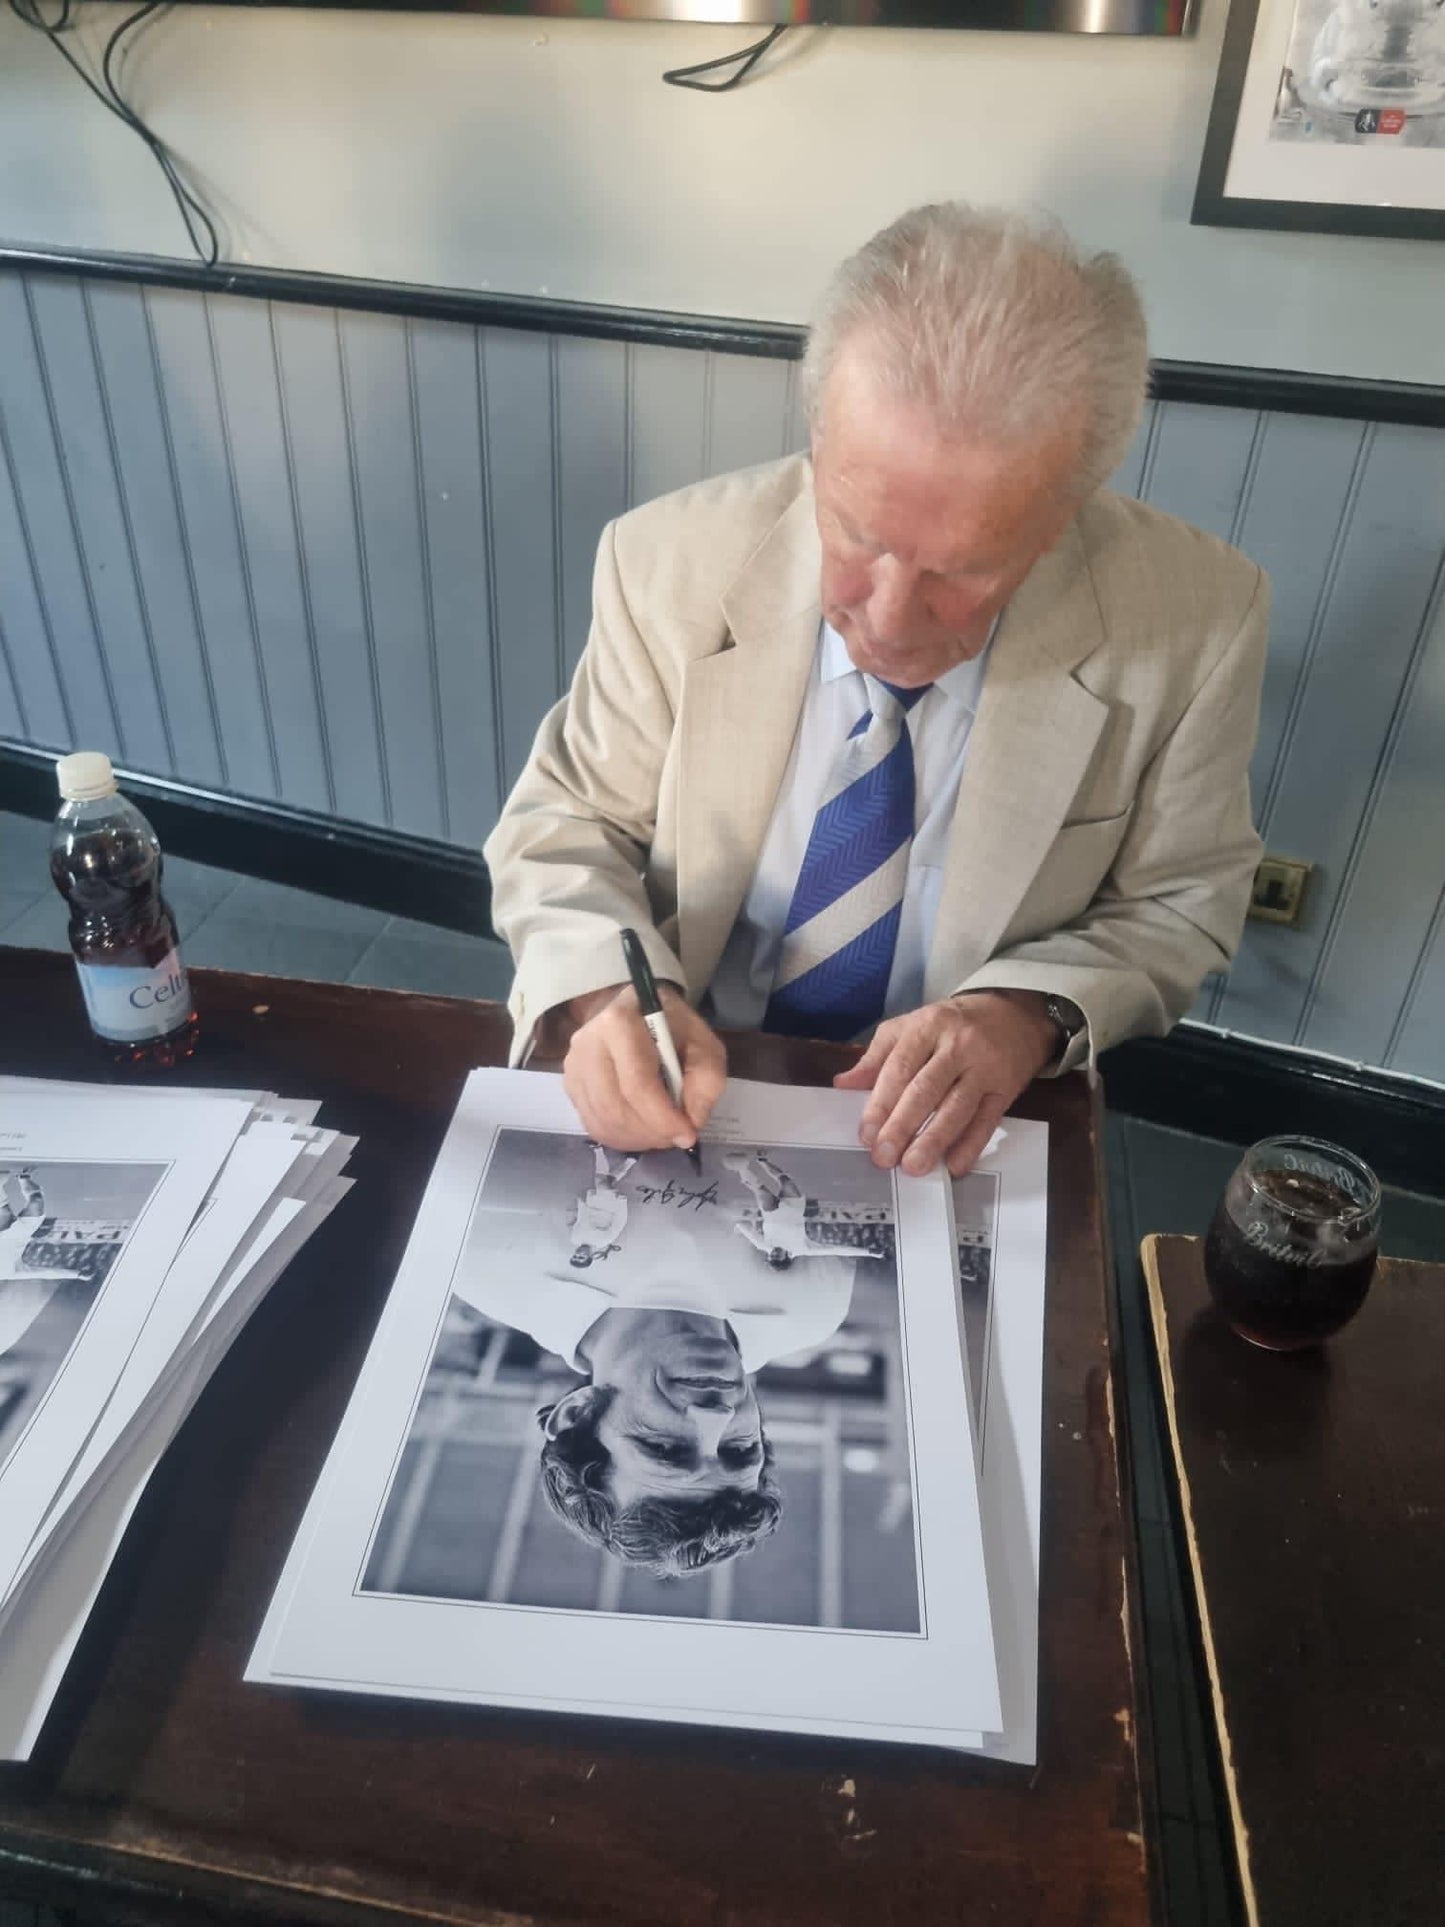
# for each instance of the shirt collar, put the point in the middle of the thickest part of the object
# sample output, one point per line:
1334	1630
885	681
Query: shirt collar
961	684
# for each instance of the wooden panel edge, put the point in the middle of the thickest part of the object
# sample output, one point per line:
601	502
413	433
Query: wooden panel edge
1148	1254
1131	1598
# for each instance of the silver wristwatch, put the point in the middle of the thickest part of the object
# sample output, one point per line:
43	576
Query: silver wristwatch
1069	1018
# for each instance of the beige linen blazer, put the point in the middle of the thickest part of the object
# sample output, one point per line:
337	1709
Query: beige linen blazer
1102	846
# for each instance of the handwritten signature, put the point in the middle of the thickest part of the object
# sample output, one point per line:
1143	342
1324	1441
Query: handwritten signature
680	1196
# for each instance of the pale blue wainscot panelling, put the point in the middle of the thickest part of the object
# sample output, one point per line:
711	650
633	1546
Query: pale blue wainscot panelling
446	392
1381	980
344	559
1371	624
64	643
205	492
593	449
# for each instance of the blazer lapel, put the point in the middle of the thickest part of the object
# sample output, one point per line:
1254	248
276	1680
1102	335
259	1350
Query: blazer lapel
737	719
1032	740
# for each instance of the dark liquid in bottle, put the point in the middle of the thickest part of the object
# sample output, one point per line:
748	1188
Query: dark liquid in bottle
118	918
1287	1294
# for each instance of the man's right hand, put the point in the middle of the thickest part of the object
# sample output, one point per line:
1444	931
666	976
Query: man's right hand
613	1076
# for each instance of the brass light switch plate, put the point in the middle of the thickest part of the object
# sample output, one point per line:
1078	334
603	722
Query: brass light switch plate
1279	889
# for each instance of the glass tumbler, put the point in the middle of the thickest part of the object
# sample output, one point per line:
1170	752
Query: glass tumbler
1292	1248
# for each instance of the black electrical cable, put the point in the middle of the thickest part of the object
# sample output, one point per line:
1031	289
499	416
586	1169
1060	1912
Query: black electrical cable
108	94
185	199
749	56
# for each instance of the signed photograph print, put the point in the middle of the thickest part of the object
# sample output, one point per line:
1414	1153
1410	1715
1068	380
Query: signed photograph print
662	1391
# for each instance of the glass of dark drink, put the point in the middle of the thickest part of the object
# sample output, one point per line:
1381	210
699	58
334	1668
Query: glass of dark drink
1292	1248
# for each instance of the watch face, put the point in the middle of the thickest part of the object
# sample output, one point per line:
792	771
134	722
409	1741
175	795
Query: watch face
1068	1017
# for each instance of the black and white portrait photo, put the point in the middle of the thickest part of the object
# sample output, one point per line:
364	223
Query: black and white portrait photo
62	1227
668	1392
640	1439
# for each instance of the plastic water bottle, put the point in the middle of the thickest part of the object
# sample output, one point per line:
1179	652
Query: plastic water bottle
106	863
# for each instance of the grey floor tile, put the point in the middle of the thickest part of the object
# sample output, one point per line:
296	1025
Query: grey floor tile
191	912
42	926
24	869
442	965
1177	1179
16	901
42	922
24	839
1412	1226
279	903
226	941
195	890
434	932
31	911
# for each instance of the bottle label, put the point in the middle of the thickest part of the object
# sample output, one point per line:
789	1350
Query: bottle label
126	1006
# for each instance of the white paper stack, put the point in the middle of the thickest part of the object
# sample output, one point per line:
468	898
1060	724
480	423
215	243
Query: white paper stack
138	1231
751	1444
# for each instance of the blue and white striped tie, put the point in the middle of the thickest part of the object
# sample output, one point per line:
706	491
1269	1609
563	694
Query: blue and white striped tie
842	927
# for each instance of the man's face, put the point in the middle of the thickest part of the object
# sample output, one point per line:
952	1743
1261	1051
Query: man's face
925	538
683	1420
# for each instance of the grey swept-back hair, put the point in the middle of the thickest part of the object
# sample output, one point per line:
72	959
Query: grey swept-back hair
995	321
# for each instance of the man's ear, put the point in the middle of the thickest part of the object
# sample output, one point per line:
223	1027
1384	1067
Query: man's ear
573	1408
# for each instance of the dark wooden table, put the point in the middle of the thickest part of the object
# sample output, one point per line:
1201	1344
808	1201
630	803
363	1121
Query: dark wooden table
1312	1492
165	1789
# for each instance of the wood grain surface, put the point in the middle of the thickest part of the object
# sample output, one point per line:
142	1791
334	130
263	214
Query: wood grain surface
167	1790
1312	1489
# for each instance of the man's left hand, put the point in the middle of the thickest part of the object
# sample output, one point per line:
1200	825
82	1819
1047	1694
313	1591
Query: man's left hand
943	1076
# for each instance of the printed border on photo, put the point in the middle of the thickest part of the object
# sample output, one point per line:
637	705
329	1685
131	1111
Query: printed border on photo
163	1168
1247	180
593	1613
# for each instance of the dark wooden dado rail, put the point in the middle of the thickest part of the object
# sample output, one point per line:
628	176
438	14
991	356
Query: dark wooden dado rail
1339	396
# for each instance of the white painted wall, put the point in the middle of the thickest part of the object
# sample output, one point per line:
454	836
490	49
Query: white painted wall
546	157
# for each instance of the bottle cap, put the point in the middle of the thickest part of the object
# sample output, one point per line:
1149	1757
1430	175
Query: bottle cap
85	776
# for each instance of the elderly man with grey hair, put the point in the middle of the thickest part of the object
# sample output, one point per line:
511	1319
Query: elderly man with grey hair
924	738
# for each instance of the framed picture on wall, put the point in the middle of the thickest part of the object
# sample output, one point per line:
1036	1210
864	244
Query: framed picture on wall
1329	115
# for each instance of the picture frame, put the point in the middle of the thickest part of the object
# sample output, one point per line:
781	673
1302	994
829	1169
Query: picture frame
1328	117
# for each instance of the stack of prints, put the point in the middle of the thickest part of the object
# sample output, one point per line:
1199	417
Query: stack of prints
756	1445
138	1231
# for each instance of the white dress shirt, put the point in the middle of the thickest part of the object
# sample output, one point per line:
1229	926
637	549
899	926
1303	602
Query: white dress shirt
785	1229
670	1259
939	725
600	1216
